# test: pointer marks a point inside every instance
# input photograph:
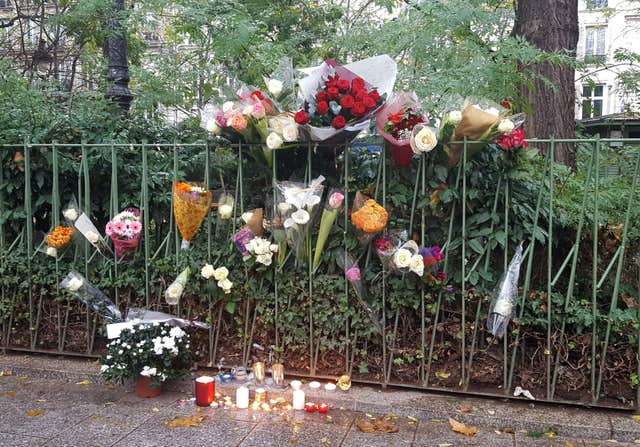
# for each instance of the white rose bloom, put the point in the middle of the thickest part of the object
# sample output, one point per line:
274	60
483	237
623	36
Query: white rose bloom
424	141
493	111
247	110
300	217
264	259
225	211
417	265
51	251
227	106
74	284
92	236
246	217
225	285
276	125
213	127
173	293
402	258
273	248
455	117
506	126
207	271
220	274
70	214
290	132
274	141
275	87
284	207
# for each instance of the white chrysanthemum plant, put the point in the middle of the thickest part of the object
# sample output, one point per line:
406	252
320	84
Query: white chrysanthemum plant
298	204
158	351
220	274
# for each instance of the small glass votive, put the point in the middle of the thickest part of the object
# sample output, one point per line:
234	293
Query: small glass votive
260	395
277	374
258	372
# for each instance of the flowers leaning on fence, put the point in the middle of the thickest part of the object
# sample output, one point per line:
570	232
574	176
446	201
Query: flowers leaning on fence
368	217
174	292
154	350
191	203
124	230
260	251
78	286
58	238
221	274
329	214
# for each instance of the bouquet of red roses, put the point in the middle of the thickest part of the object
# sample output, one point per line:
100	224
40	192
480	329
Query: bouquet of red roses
343	98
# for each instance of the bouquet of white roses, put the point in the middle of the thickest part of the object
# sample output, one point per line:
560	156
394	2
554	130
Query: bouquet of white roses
220	274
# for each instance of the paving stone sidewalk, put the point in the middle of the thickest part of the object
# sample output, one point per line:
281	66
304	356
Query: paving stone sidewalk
78	410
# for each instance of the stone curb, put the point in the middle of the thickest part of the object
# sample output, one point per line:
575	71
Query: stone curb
497	414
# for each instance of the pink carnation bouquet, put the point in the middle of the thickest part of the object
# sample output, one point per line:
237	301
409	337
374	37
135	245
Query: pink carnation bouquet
124	230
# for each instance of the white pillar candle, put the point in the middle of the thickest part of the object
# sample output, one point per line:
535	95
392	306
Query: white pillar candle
298	400
242	397
296	385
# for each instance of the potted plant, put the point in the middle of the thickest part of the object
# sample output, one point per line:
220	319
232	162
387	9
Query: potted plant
149	353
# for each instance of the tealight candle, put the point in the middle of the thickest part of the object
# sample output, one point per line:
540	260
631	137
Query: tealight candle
261	395
298	400
242	397
314	385
330	386
296	385
310	407
323	408
205	391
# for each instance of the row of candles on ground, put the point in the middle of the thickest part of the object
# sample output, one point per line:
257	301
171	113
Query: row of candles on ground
205	397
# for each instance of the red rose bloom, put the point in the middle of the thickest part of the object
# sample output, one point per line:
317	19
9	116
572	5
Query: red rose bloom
323	107
301	117
517	137
360	95
358	109
339	122
347	101
396	118
257	94
357	84
504	142
333	93
369	103
373	94
322	96
343	85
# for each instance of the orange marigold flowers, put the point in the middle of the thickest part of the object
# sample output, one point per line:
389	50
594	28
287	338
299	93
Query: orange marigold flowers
59	237
370	218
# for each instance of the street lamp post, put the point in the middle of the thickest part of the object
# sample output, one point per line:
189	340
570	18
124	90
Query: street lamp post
118	67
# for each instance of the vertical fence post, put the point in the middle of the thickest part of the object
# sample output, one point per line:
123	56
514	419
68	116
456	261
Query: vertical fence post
463	266
87	210
55	221
29	235
594	272
146	215
547	351
114	206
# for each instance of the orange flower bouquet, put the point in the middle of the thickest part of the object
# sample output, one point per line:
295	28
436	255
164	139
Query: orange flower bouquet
368	217
191	203
58	238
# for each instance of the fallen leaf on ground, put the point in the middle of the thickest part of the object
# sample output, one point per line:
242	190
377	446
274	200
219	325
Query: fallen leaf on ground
32	413
459	427
187	421
568	444
23	377
491	412
384	424
84	382
635	417
9	393
365	426
464	409
5	372
508	430
292	441
442	375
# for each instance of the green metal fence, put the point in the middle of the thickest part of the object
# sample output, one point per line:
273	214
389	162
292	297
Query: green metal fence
28	306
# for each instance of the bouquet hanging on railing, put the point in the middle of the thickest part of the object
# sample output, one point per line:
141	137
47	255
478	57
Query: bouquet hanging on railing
329	214
124	230
59	237
297	203
84	225
174	292
281	85
220	274
274	223
395	123
78	286
224	202
368	217
342	99
71	212
398	254
252	228
261	251
478	121
191	203
505	297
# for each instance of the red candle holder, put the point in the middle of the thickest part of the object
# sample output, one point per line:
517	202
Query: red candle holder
310	407
323	408
205	391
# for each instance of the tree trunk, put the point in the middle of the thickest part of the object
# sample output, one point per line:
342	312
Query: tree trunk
551	25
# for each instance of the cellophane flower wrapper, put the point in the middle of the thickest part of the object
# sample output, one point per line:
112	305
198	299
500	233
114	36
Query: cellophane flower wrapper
190	207
505	297
77	285
387	246
378	72
241	239
333	206
274	223
480	121
399	147
125	246
175	290
298	203
85	227
71	212
136	316
368	217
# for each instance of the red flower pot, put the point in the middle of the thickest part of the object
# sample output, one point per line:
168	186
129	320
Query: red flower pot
144	388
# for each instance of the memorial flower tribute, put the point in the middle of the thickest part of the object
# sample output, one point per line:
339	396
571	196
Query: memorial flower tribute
191	204
124	230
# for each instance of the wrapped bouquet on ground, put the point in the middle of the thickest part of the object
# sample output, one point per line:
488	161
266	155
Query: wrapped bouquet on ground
124	230
191	203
